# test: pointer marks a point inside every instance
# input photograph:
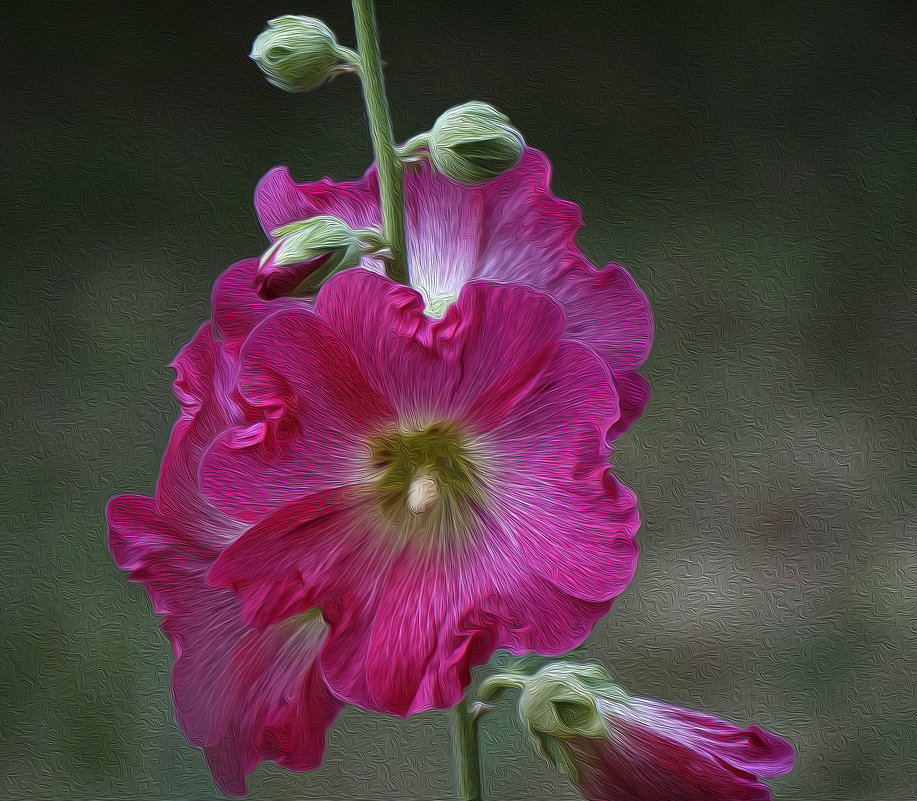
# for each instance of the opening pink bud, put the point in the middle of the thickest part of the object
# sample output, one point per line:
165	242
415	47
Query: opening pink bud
616	747
281	280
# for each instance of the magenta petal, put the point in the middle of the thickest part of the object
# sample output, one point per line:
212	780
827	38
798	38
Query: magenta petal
527	231
655	751
476	358
633	394
309	417
320	539
238	305
279	200
407	625
607	311
574	523
240	694
204	374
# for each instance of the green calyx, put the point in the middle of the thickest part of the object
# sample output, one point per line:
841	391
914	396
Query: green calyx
561	700
425	477
472	143
298	54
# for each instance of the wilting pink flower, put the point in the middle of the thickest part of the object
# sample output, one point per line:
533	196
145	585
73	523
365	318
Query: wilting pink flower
512	229
439	488
617	747
242	694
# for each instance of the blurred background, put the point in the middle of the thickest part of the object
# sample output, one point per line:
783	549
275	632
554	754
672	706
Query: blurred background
752	164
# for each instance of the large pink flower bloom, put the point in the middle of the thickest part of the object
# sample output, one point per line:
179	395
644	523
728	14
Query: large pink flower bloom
510	230
241	694
439	488
617	747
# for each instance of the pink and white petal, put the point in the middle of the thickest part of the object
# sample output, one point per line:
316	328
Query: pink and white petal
279	200
751	749
579	535
607	311
527	231
444	227
238	306
310	415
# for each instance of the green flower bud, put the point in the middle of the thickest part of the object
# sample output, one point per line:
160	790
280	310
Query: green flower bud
472	143
309	252
297	54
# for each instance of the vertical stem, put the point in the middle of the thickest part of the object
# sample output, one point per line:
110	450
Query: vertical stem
467	757
391	181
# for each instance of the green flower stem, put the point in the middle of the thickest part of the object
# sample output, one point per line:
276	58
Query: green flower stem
391	180
467	758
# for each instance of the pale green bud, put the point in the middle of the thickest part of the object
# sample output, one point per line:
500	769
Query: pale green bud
472	143
297	54
308	252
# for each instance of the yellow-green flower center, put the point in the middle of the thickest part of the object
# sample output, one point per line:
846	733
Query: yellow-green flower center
425	477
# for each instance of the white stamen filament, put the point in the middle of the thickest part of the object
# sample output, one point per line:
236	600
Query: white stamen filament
423	493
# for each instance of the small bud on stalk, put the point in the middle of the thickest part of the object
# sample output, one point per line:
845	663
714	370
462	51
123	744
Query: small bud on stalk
472	144
297	54
309	252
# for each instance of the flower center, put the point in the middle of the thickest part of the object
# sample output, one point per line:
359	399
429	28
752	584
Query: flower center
424	475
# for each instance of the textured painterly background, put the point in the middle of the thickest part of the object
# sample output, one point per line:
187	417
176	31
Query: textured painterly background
753	164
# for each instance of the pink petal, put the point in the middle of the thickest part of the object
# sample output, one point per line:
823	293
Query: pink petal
657	751
750	749
279	200
605	310
309	415
633	394
240	694
238	306
477	356
444	232
527	231
408	621
574	523
204	374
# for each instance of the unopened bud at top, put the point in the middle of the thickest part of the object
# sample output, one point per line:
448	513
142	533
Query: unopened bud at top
297	54
472	143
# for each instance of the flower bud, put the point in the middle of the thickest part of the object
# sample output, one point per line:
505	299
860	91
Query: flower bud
309	252
473	143
297	54
614	746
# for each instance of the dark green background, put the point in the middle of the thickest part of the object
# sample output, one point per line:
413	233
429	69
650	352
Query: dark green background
754	165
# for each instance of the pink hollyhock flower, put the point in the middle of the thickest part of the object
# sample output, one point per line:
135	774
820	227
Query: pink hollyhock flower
512	229
439	488
241	694
617	747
